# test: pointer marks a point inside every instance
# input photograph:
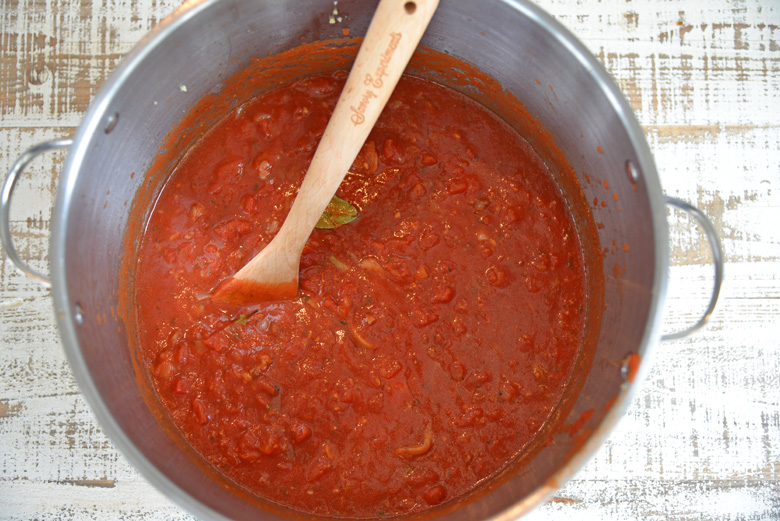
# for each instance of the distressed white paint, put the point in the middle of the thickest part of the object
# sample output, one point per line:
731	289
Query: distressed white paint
702	439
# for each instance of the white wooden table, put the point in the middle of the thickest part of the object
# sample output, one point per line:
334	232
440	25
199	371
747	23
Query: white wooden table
701	441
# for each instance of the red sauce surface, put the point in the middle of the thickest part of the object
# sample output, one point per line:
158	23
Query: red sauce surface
433	337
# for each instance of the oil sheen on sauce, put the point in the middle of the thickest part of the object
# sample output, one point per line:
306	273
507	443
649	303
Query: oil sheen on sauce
433	336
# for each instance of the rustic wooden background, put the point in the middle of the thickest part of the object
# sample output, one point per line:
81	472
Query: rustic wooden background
702	439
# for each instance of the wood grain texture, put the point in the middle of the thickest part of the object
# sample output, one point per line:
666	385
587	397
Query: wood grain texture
702	439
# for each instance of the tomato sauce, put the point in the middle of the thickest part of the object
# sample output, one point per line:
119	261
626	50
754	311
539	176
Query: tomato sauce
433	336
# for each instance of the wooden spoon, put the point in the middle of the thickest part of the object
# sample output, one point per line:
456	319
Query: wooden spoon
392	37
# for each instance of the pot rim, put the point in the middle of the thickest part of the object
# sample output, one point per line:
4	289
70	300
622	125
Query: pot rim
96	118
648	172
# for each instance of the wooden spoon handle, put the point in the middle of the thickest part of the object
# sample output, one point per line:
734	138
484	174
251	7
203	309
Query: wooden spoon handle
392	37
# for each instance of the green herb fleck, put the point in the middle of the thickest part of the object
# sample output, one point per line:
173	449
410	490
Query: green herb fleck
242	319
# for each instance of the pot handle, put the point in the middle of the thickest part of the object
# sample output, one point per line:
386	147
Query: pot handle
5	203
717	259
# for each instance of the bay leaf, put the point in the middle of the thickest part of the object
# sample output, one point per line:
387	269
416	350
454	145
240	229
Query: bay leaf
338	213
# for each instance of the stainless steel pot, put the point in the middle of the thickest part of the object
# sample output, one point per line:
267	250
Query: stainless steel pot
184	58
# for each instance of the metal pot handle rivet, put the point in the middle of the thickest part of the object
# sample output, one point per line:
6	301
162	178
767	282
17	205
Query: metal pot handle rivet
717	259
5	203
